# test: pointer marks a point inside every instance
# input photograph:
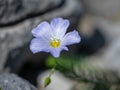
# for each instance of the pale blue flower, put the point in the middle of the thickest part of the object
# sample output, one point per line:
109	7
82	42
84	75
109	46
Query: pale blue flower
52	37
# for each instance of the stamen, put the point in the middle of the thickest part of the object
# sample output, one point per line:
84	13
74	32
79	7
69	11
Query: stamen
55	43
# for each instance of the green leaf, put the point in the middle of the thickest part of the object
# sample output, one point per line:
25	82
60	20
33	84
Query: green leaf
0	88
47	81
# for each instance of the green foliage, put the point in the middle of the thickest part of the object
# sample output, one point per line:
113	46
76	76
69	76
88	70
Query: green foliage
102	86
85	71
73	67
63	64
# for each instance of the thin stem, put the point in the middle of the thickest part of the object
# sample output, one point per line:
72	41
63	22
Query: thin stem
53	69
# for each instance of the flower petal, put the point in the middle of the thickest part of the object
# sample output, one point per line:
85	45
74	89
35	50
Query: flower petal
59	26
38	45
71	38
43	29
56	51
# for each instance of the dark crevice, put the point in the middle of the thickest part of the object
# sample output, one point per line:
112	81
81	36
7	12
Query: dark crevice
33	15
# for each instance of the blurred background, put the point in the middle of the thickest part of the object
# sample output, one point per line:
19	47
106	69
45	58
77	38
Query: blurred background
92	64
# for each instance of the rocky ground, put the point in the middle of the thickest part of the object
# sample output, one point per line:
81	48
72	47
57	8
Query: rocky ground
17	19
13	82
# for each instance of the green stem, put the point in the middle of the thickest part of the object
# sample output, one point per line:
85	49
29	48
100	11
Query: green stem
48	79
53	69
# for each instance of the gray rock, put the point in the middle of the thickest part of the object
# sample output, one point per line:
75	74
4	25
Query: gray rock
13	82
109	56
12	11
59	81
13	37
112	56
105	8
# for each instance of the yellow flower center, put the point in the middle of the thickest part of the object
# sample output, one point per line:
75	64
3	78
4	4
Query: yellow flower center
55	43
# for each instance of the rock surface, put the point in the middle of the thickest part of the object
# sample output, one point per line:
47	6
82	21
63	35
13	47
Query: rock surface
13	82
109	8
12	11
59	81
110	54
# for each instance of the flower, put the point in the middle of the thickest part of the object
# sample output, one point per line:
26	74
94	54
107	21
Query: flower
53	37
